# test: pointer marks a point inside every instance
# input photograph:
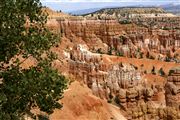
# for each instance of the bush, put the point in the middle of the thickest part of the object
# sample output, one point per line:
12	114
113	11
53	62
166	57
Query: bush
125	22
120	54
99	51
43	117
116	100
151	57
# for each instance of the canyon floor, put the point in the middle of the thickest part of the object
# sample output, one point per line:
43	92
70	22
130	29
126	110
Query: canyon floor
80	104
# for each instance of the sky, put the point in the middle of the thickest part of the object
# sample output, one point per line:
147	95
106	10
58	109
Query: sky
74	5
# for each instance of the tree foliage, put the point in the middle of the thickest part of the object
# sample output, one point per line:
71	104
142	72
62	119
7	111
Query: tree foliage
23	32
161	72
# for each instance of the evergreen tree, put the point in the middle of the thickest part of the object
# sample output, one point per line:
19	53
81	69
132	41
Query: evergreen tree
161	72
153	70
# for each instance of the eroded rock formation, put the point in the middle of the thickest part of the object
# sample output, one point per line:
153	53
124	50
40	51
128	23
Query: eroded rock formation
111	37
121	83
173	88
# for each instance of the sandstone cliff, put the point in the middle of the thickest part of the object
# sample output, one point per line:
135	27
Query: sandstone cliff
122	64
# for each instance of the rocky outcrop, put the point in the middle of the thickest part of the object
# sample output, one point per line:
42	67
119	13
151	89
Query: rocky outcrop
80	104
122	83
111	37
99	76
173	88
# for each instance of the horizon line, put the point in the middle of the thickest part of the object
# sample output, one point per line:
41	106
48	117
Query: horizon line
110	1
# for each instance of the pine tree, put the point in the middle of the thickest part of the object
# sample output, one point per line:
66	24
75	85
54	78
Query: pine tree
161	72
153	70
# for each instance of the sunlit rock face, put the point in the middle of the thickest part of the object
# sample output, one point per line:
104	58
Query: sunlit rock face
111	37
173	88
113	76
122	84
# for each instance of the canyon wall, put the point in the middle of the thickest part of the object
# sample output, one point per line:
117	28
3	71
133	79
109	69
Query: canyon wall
110	37
85	45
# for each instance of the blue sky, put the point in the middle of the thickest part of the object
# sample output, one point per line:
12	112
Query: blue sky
73	5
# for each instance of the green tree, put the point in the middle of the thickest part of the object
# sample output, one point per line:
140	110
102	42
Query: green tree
161	72
99	50
153	70
120	53
110	51
23	32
